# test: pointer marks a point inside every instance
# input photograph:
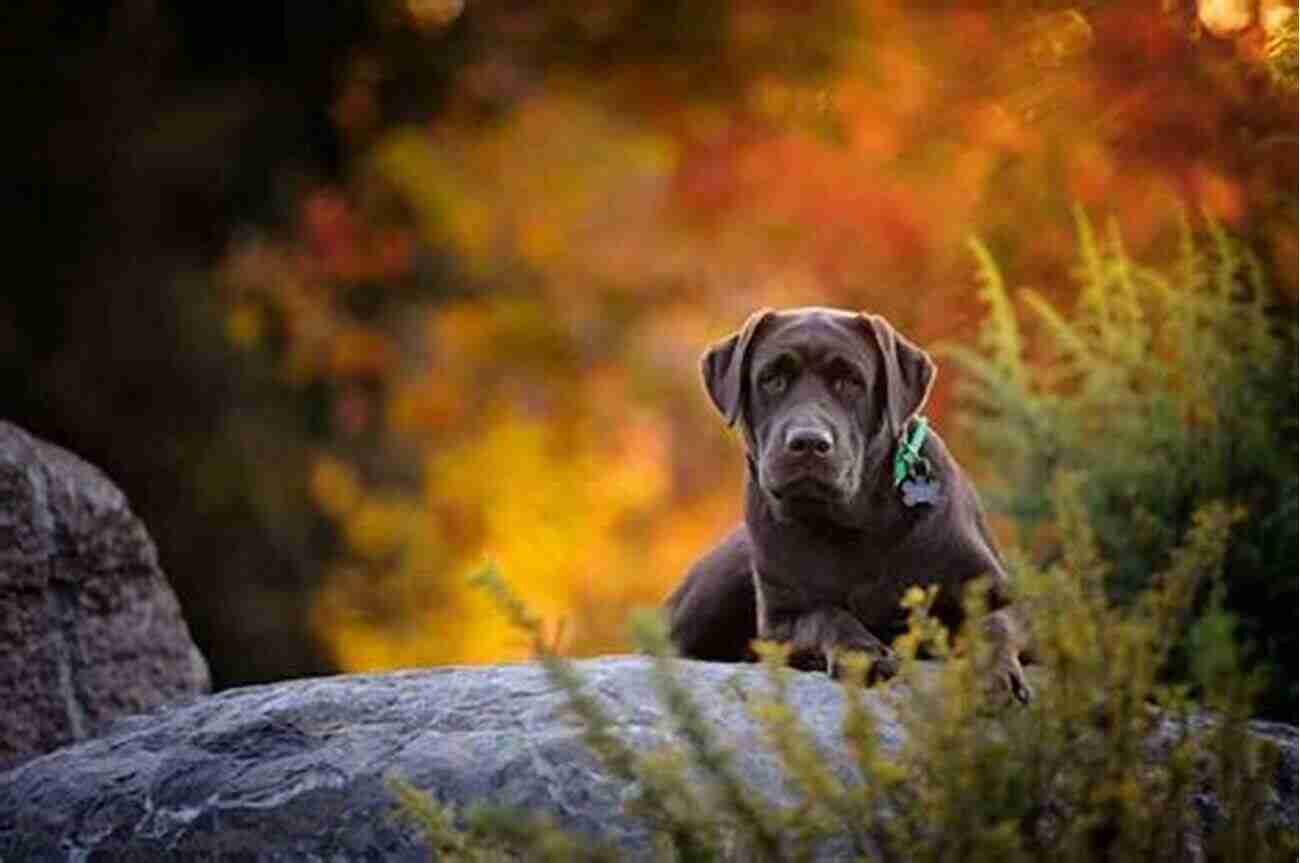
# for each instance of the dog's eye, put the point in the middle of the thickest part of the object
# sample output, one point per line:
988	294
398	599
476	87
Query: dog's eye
774	384
847	386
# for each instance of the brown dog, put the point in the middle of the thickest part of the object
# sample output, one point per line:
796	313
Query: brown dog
840	519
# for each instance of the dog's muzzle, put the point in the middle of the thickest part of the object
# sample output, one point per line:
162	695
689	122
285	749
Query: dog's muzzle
806	466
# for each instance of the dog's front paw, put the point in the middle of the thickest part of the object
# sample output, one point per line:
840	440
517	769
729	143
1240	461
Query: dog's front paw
1006	681
809	660
883	663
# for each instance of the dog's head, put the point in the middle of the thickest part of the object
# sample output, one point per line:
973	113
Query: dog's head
821	396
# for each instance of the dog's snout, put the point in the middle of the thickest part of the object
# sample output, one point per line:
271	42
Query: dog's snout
809	440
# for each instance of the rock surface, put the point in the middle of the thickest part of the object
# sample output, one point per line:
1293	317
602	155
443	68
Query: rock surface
89	627
295	770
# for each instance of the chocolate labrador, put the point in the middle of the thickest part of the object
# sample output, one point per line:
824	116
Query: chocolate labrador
849	501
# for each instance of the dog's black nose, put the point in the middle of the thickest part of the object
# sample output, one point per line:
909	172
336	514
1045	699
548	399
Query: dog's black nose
802	440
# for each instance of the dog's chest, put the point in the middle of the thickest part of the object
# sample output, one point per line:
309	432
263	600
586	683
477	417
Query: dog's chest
820	573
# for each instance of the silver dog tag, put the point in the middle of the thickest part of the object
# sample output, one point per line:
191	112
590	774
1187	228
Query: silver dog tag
919	490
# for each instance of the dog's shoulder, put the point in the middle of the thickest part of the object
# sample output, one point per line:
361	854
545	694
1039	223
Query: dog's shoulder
712	613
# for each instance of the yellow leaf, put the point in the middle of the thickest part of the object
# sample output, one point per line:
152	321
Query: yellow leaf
244	324
333	486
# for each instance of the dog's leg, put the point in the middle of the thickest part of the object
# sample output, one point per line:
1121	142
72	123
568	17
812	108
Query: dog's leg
842	633
817	637
1007	641
877	605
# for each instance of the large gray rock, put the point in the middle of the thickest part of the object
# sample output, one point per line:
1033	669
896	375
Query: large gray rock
89	627
295	770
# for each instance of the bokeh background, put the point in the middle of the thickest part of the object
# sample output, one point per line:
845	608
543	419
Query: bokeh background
349	297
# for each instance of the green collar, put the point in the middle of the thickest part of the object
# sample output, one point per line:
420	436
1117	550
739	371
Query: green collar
907	456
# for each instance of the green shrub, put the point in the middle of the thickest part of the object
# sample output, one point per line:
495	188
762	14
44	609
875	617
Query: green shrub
1165	388
1070	777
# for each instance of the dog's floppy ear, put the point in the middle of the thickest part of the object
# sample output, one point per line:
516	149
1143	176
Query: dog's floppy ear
909	373
724	366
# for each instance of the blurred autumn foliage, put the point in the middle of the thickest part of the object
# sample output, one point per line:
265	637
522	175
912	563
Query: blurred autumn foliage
496	316
348	296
